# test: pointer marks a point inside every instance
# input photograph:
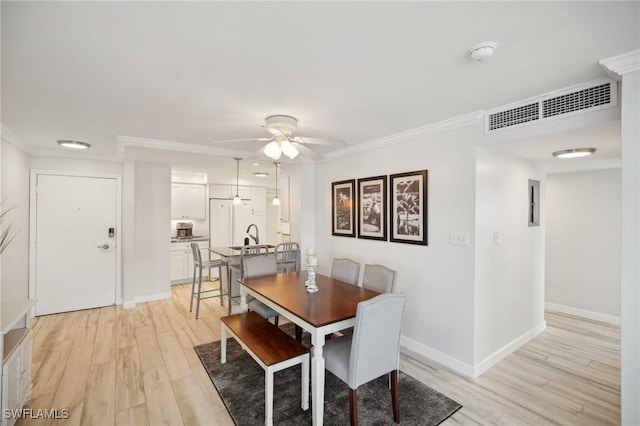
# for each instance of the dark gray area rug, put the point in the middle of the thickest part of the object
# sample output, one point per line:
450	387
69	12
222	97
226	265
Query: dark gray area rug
240	383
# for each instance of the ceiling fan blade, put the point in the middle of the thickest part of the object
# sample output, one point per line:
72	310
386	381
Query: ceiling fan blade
318	141
275	131
258	154
306	151
243	140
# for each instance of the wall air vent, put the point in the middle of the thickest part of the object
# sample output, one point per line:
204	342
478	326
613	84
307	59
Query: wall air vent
586	97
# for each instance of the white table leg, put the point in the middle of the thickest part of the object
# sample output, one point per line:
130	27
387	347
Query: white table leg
268	397
305	383
223	344
317	378
244	305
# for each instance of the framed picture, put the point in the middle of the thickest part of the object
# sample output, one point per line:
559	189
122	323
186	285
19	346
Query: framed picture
408	207
372	208
343	212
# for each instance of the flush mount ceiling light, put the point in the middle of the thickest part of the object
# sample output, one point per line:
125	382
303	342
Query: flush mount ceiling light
482	51
261	174
574	153
73	144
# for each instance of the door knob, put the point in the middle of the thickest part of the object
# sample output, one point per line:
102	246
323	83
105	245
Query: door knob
104	246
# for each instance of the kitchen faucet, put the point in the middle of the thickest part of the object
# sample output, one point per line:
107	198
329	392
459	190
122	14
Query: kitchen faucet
255	239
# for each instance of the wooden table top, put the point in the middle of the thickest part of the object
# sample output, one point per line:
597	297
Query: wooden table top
335	300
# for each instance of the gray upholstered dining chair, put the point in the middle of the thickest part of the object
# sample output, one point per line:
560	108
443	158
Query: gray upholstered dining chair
345	270
371	351
379	278
258	266
288	256
198	266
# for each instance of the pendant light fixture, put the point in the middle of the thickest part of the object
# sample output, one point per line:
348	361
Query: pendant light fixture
236	199
276	200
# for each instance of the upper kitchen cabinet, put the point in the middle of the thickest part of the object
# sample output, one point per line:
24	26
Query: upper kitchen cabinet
226	192
188	201
258	200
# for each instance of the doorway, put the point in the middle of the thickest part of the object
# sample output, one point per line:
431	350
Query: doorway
74	241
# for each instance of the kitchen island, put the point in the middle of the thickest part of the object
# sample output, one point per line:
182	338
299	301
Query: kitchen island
231	255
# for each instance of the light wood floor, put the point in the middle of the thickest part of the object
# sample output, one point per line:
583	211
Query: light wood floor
137	367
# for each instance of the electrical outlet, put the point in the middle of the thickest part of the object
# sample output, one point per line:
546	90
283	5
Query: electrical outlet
457	238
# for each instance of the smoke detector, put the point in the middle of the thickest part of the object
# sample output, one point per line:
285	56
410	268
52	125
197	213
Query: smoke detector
482	51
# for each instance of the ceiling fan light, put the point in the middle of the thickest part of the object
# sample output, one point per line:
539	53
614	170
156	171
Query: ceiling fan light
289	150
272	150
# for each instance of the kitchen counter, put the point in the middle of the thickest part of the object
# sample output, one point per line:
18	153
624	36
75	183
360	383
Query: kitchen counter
224	251
232	251
188	240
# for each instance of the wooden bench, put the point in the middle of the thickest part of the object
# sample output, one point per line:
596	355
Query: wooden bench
271	348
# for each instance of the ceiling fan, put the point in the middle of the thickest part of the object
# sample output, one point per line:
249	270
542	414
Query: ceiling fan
281	141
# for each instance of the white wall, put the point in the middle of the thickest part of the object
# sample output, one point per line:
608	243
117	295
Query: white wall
76	165
630	290
15	192
583	243
509	280
438	278
147	236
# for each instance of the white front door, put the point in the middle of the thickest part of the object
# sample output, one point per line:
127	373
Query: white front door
75	245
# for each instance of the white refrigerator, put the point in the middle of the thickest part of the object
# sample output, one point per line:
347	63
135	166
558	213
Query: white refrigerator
228	223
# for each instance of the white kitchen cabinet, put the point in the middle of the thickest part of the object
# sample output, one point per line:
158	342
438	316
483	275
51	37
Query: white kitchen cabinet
243	191
259	200
16	359
226	192
220	191
182	261
188	201
259	211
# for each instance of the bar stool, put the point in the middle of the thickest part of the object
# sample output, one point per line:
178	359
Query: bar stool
199	265
288	256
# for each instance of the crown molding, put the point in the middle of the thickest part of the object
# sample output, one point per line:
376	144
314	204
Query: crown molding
13	139
183	147
411	135
616	66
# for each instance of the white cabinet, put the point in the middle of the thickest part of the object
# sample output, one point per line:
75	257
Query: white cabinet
259	200
220	191
16	358
188	201
229	191
16	375
182	261
259	211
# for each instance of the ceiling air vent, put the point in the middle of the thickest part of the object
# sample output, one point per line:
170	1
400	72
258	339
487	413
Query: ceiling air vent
573	100
514	116
576	101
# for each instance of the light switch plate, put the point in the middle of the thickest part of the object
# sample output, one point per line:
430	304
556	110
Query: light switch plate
497	238
458	238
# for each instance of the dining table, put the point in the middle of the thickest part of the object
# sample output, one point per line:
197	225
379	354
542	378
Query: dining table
332	308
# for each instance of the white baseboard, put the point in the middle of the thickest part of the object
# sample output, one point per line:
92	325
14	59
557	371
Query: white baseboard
128	304
583	313
472	371
437	356
508	349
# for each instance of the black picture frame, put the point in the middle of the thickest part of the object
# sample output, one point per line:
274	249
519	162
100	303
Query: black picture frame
408	208
372	208
343	211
